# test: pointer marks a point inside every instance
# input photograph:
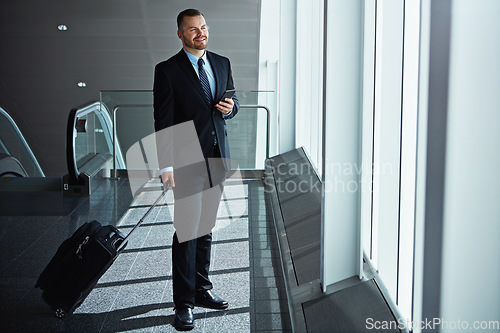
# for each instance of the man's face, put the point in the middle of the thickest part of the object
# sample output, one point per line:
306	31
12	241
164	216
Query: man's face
194	32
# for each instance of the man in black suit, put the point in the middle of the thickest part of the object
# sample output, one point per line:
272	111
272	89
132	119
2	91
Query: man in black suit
188	88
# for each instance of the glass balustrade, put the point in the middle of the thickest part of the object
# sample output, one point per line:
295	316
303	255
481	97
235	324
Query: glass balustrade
248	132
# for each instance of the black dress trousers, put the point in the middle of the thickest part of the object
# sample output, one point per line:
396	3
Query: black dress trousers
197	197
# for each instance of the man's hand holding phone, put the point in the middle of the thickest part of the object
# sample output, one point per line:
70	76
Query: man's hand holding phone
226	103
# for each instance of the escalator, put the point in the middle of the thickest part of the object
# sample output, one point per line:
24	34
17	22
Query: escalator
19	169
16	157
89	144
11	167
89	148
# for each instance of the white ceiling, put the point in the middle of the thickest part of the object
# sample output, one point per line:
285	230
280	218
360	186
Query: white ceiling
110	45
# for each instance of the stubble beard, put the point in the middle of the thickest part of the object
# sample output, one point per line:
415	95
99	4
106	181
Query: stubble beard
197	46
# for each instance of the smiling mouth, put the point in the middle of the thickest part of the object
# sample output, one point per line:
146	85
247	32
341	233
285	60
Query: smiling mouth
202	39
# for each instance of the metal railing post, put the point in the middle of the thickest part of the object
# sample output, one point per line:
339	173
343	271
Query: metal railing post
268	121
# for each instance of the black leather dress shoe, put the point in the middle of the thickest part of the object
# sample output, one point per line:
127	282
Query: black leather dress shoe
207	299
184	320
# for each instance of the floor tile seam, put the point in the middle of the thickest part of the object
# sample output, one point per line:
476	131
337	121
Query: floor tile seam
165	288
161	302
280	313
230	217
126	278
85	201
273	243
253	317
203	320
131	208
233	199
25	294
229	205
30	246
110	308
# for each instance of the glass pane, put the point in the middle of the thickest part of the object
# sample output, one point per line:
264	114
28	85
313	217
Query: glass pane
93	133
133	112
247	131
102	136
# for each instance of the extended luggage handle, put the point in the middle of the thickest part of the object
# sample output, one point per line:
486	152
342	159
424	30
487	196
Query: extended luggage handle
163	192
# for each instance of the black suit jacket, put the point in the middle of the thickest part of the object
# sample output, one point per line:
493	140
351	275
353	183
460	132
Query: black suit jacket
178	97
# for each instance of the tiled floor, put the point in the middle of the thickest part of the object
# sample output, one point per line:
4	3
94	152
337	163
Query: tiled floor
135	295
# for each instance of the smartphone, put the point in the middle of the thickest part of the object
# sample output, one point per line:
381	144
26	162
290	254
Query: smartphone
227	94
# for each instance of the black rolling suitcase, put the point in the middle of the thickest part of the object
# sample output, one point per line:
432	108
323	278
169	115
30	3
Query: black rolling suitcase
79	263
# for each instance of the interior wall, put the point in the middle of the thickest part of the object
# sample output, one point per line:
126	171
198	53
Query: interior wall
471	220
110	45
457	212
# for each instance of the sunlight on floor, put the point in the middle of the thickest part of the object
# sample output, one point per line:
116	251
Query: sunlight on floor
135	295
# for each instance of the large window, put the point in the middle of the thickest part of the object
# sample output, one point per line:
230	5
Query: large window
391	48
370	125
382	61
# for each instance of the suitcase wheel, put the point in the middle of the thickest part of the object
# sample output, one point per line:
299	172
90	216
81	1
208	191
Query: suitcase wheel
60	313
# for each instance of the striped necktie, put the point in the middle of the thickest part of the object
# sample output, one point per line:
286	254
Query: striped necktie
204	81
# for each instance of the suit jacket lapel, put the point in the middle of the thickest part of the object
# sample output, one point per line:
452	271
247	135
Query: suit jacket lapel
187	67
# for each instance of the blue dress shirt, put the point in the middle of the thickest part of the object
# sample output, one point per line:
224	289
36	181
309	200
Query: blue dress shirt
208	69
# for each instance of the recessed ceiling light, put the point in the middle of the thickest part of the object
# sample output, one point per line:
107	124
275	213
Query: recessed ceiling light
81	84
62	27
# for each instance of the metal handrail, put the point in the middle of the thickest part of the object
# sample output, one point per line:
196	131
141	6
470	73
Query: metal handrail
102	113
116	108
268	121
21	137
